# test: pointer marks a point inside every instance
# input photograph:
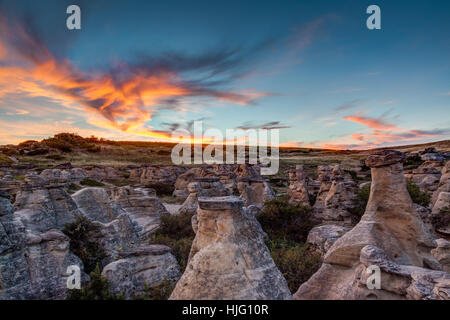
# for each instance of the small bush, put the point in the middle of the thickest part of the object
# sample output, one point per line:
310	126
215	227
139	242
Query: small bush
176	232
97	288
91	183
353	174
55	157
73	187
417	196
282	220
81	233
162	189
19	177
161	291
297	262
413	162
5	159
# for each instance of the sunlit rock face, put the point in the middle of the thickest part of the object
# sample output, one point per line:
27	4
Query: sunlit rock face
228	258
391	236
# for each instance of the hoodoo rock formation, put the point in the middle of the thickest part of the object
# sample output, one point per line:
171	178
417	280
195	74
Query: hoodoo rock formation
391	236
228	258
298	186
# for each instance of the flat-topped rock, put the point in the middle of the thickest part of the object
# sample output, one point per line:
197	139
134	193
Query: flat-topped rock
220	203
385	158
155	249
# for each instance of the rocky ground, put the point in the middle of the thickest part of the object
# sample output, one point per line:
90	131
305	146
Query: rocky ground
142	228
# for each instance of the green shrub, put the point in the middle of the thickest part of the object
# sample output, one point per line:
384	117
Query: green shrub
55	157
360	203
82	233
161	291
353	174
282	220
176	232
97	288
162	189
91	183
73	187
297	262
5	159
417	196
413	162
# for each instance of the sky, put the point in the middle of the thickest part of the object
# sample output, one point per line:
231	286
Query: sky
138	70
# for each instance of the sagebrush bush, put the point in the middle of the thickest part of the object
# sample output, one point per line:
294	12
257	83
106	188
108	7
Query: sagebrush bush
176	232
97	288
162	189
418	196
81	233
282	220
413	162
297	262
91	183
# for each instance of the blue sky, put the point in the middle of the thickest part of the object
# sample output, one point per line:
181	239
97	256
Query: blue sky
311	68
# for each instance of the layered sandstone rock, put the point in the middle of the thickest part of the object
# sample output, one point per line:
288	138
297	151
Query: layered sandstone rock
190	205
254	191
142	207
63	176
140	269
442	254
228	258
226	173
41	206
32	265
323	237
148	175
391	234
444	184
426	176
298	190
336	197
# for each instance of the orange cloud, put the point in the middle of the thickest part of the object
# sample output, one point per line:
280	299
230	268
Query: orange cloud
126	99
371	122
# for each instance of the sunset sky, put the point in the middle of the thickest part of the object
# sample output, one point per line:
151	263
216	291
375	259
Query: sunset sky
137	70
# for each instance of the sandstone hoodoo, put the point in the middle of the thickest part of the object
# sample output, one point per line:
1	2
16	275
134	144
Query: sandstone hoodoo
298	190
391	236
228	258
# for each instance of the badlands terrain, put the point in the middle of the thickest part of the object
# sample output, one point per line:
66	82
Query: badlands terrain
141	228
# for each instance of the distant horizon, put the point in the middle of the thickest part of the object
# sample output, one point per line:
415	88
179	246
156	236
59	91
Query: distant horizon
138	70
281	147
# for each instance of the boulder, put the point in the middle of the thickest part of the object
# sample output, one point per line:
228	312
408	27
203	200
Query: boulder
229	259
254	191
323	237
442	254
140	269
42	207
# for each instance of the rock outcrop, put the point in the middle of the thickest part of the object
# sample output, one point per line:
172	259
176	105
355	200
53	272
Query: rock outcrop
336	197
254	191
32	265
228	258
323	237
444	184
426	176
298	190
442	254
140	269
41	206
390	235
